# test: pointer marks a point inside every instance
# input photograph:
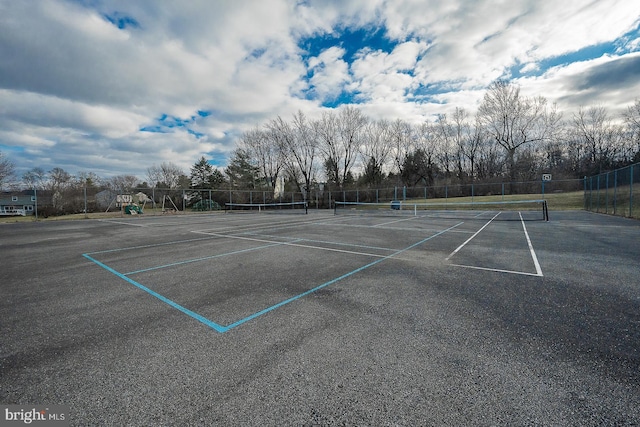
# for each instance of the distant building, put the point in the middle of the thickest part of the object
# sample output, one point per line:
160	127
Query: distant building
17	203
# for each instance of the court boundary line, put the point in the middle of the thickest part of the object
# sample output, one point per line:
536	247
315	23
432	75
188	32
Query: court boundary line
253	239
471	238
532	252
217	327
188	261
497	270
353	245
337	279
221	328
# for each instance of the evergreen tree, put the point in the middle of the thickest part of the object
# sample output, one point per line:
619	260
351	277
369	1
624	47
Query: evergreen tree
242	173
202	174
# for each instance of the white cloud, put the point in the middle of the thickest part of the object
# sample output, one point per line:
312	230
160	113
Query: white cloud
330	73
75	89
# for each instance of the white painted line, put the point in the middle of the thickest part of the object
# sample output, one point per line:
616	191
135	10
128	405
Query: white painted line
254	226
296	245
122	223
391	222
470	238
414	229
533	254
497	270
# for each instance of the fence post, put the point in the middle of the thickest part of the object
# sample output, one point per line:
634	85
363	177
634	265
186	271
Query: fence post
584	186
591	194
631	191
598	193
615	191
606	194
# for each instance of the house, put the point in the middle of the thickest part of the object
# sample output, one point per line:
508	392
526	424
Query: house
17	203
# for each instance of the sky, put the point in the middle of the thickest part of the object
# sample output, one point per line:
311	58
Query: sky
114	87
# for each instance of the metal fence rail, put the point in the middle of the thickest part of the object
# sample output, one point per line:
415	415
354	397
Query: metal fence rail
616	192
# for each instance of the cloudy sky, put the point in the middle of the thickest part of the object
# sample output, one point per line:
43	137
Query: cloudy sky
115	86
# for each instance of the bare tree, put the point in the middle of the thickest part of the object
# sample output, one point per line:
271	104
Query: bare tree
514	121
448	152
632	121
167	174
298	143
375	149
35	178
599	136
352	121
339	138
7	169
402	142
263	147
327	129
472	144
426	150
123	184
59	179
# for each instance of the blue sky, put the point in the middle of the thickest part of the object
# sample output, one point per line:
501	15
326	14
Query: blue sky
114	87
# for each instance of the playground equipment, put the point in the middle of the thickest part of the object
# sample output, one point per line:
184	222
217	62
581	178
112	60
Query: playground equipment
126	205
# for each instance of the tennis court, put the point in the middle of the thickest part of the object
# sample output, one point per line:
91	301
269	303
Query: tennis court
387	316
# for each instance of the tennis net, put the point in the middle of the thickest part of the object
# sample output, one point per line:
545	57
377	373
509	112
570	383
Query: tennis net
530	210
288	207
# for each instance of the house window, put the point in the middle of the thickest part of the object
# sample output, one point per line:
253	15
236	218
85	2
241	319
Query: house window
14	198
28	208
33	198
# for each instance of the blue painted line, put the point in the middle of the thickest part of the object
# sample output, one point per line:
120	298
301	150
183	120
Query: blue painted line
220	328
200	259
337	279
164	299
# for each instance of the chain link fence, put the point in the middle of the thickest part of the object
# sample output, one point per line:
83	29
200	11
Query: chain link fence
616	192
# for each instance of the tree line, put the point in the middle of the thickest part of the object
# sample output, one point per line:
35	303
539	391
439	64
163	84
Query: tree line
510	138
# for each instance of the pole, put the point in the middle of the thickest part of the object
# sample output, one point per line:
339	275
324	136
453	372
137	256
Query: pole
631	191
